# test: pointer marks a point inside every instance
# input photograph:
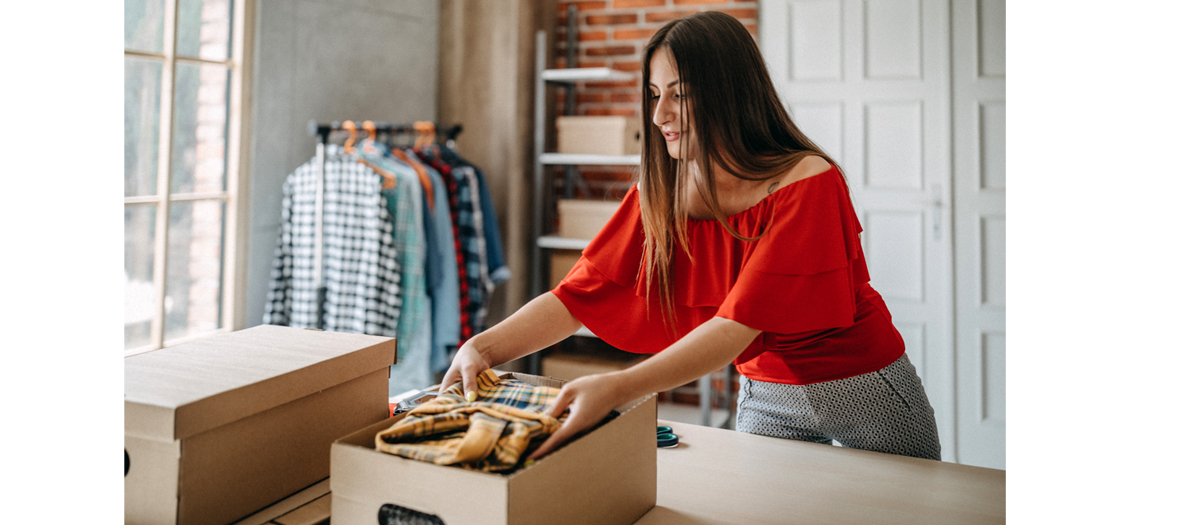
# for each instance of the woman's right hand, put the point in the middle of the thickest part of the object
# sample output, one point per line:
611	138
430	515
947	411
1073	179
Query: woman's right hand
465	368
540	323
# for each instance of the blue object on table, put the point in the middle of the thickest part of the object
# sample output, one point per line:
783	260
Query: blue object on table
665	438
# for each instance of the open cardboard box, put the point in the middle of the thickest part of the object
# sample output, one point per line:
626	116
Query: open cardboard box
218	428
606	476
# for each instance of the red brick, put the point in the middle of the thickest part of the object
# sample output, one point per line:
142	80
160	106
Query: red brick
630	111
628	66
591	63
610	51
633	34
664	16
618	84
582	6
624	111
612	20
584	98
698	2
620	4
741	13
753	29
624	97
591	36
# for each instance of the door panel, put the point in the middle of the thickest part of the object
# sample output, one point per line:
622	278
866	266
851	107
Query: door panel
869	81
893	145
979	204
895	254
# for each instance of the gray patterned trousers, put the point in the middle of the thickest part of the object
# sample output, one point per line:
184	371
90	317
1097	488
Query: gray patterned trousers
883	411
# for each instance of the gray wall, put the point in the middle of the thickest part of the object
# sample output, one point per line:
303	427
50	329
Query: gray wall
327	60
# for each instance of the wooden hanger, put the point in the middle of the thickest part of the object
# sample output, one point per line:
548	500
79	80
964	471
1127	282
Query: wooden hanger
425	131
423	177
371	129
390	181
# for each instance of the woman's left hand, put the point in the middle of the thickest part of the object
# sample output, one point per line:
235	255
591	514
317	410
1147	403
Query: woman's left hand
589	399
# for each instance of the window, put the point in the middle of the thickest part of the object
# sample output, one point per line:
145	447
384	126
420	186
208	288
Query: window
182	121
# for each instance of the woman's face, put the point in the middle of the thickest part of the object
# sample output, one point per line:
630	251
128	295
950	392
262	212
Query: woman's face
666	92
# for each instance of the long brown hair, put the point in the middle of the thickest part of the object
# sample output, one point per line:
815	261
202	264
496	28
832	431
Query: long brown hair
739	124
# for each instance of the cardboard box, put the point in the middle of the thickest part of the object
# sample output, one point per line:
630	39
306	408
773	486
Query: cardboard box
560	264
570	365
599	135
583	218
218	428
310	506
607	476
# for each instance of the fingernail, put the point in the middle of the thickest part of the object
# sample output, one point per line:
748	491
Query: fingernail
471	397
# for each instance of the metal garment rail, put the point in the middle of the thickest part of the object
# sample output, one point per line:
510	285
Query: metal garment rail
322	132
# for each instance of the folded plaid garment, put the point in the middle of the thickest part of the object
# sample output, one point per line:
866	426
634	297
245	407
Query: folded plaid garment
491	434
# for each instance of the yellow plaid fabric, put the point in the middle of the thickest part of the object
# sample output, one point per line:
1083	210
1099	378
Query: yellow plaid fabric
491	434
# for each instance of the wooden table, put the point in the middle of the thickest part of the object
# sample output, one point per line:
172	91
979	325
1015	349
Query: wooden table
722	476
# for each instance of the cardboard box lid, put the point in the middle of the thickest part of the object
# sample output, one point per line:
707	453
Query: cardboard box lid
176	392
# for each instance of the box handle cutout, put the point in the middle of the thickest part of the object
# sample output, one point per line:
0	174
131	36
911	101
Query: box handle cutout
391	514
126	463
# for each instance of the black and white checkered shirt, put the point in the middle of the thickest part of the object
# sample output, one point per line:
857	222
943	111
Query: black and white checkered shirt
360	270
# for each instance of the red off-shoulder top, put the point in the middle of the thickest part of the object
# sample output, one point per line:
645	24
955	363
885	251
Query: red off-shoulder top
803	284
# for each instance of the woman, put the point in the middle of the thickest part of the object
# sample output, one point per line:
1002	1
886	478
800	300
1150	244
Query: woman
740	244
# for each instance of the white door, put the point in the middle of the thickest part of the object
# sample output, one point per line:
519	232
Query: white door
978	28
869	80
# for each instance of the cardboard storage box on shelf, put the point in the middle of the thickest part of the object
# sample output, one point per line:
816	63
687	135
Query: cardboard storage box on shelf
572	365
599	135
607	476
219	428
560	264
583	218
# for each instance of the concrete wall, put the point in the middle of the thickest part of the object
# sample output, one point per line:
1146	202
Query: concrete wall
327	60
486	82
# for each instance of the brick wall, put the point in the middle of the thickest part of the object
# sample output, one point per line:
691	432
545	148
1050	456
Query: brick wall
612	33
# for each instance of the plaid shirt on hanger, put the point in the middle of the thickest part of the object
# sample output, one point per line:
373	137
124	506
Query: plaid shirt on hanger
461	255
360	269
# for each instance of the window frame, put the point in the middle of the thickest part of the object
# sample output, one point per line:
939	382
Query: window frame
234	197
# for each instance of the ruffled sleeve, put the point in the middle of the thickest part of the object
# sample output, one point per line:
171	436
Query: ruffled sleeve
603	290
802	274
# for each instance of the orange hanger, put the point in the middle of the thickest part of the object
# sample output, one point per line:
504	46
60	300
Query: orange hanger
425	131
423	177
390	181
371	129
351	127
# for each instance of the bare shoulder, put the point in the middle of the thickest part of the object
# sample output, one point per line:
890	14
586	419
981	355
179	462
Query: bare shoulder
810	166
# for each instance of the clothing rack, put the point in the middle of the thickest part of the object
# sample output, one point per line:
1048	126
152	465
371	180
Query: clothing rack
323	132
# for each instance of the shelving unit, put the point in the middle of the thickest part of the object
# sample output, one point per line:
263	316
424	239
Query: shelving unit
543	201
568	79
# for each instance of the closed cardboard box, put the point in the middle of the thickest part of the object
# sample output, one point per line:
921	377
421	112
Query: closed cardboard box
599	135
570	366
607	476
219	428
583	218
560	264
